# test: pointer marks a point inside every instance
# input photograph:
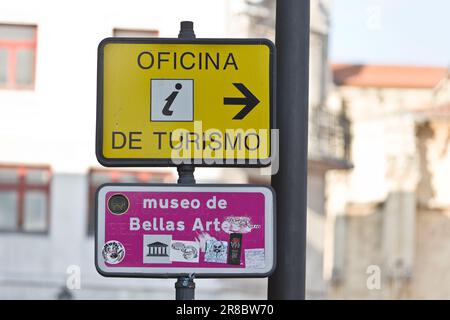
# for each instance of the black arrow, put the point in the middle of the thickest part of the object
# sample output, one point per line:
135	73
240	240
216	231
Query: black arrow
249	100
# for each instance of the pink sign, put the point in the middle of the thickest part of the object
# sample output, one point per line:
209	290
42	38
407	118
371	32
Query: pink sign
172	230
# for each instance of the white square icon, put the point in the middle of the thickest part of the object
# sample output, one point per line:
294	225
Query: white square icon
172	100
156	248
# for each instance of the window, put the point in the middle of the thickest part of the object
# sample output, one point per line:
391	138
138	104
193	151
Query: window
24	198
98	177
17	56
135	33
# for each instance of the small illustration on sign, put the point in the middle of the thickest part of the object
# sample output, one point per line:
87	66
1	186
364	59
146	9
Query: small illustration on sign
118	204
156	248
234	254
113	252
184	251
216	251
254	258
172	100
237	225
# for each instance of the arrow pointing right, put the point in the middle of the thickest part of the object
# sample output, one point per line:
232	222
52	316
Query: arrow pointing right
250	101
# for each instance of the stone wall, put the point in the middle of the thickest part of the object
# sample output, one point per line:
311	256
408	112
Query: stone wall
395	224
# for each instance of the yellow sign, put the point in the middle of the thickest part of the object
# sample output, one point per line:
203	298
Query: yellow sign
169	101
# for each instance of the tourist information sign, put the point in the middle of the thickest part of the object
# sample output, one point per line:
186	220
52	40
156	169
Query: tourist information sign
164	102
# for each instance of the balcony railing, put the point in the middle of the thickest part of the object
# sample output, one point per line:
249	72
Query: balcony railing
329	137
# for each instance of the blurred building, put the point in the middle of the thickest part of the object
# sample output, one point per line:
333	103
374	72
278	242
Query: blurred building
390	215
48	170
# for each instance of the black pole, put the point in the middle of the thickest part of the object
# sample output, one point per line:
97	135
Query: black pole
186	174
186	30
292	43
185	286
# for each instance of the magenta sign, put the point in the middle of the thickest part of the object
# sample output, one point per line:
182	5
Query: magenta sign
172	230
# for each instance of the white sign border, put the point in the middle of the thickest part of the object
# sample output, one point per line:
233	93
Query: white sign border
150	272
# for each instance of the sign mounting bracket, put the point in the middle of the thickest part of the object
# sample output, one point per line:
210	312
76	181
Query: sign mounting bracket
185	286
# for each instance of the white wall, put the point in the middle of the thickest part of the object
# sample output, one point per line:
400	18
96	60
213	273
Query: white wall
383	149
55	123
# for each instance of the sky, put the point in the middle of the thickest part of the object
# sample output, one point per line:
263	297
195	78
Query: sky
414	32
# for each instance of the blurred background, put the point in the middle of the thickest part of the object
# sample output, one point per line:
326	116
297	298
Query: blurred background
379	137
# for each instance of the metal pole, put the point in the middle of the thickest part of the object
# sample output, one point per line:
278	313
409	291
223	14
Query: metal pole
186	30
186	174
292	43
185	286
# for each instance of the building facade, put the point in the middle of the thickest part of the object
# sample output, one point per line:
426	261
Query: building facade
48	169
389	234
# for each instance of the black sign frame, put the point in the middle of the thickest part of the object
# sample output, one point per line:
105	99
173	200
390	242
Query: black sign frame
168	162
